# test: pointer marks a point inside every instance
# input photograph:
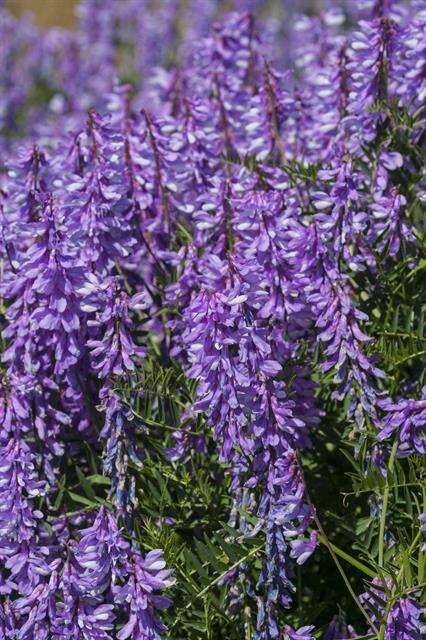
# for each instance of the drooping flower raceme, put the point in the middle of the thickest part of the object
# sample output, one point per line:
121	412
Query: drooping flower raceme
233	206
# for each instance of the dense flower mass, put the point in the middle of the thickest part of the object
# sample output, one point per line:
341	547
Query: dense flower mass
211	262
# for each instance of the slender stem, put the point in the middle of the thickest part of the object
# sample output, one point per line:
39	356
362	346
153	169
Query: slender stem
422	554
385	503
155	423
394	486
341	570
356	563
390	602
409	357
394	588
329	546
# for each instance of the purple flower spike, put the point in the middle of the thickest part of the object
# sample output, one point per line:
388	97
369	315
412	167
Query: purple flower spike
113	353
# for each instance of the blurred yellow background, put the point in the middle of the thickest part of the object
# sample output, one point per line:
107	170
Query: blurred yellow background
47	13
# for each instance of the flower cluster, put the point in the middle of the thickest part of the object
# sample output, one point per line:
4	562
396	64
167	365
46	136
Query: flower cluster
176	194
404	615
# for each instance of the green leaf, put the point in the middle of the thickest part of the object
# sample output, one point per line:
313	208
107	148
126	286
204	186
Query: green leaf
85	484
83	500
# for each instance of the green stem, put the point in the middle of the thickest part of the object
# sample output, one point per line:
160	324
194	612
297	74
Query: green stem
391	601
333	554
385	503
201	593
394	588
409	357
155	423
353	561
422	555
394	486
329	546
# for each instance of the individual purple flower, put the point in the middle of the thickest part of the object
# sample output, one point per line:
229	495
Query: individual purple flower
269	116
339	218
210	333
371	59
276	580
302	549
284	507
342	337
26	560
304	633
27	182
228	71
153	159
387	161
331	87
268	221
34	610
371	47
20	486
407	419
105	577
390	229
186	440
7	620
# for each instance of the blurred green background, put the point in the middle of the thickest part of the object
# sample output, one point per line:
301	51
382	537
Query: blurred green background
47	13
